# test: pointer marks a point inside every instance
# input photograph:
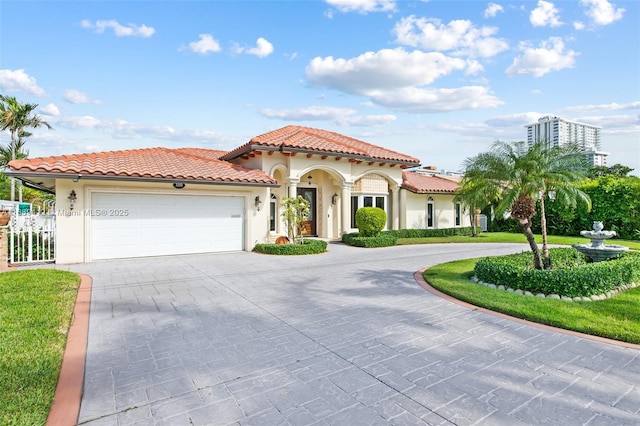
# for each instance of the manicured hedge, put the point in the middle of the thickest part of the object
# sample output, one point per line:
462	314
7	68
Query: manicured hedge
426	233
384	240
308	247
572	275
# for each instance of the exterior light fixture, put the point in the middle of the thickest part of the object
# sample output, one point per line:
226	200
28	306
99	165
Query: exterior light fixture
552	195
178	185
72	199
334	199
309	179
258	203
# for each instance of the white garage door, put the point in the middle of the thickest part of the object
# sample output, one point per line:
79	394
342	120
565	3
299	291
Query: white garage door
137	225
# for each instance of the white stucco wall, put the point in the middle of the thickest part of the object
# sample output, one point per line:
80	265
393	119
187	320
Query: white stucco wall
73	227
416	211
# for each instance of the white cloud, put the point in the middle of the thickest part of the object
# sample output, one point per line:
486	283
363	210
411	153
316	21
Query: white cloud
394	79
341	116
416	99
129	30
459	36
386	69
627	123
492	10
50	109
206	44
514	120
19	81
77	97
606	107
544	15
362	6
312	113
549	56
263	48
602	12
577	25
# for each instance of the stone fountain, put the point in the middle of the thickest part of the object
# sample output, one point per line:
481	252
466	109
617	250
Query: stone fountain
597	250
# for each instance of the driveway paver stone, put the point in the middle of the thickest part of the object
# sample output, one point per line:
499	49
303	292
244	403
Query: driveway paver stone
343	338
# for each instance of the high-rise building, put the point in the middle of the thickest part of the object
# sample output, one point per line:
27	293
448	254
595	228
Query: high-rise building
556	131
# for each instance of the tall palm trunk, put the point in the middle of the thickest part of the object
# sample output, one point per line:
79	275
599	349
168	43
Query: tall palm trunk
543	225
525	225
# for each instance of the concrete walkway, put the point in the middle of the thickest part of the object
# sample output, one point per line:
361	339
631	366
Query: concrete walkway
343	338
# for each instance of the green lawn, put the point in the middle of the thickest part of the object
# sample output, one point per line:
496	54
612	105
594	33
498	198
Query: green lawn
616	318
35	313
505	237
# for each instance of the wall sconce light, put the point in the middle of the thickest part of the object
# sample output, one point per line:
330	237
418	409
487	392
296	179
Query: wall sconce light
334	199
552	195
178	185
72	199
257	202
309	178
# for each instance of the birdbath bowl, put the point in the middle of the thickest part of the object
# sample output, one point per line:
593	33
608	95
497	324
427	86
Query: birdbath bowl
597	250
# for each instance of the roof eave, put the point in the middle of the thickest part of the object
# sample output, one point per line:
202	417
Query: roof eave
24	175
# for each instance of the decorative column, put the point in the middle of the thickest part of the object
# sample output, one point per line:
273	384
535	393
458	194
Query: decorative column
293	187
395	207
346	208
403	208
4	248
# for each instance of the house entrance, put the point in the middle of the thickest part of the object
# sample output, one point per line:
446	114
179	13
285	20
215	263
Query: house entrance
310	224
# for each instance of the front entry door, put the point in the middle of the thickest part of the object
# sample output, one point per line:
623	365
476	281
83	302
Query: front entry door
309	225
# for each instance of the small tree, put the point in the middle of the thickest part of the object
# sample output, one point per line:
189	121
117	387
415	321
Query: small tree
294	214
370	221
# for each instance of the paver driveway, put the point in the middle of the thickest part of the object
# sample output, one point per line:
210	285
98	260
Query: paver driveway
344	338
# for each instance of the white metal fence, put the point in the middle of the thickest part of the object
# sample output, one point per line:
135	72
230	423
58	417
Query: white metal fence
32	237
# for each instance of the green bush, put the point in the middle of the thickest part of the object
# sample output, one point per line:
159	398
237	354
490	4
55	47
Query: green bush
308	246
370	221
426	233
572	275
383	240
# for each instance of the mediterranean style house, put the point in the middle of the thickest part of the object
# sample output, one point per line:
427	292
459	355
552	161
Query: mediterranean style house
160	201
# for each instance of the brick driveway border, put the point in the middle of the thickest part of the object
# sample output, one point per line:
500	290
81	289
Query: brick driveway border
343	338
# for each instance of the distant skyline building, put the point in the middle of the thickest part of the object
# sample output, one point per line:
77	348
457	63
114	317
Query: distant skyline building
557	131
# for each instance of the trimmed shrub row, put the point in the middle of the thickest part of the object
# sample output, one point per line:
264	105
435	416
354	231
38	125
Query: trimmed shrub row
572	275
384	240
307	247
426	233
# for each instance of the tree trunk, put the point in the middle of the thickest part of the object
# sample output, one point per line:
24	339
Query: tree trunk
525	225
472	219
543	226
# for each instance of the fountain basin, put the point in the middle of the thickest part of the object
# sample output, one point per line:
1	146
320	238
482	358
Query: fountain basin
600	253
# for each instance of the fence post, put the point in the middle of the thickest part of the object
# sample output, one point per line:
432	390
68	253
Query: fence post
4	248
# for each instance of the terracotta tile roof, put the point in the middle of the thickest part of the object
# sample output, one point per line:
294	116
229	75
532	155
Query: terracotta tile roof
310	140
424	184
151	163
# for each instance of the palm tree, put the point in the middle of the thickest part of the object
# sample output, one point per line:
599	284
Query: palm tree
520	175
560	168
474	195
17	117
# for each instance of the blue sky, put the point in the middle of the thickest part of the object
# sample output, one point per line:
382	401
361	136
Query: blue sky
439	80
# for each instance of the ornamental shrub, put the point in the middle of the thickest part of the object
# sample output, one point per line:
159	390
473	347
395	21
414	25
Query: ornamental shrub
308	246
370	221
426	233
572	275
383	240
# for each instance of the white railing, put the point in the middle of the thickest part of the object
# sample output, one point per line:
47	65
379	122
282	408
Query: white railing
32	238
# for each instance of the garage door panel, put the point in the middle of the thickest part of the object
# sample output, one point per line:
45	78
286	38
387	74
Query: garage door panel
159	224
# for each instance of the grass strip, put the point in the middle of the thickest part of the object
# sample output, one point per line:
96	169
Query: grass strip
35	313
506	237
615	318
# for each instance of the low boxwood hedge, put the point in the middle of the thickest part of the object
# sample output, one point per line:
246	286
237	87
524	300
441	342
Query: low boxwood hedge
572	274
383	240
426	233
308	246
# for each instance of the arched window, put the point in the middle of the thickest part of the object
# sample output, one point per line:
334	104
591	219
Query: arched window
273	213
430	212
